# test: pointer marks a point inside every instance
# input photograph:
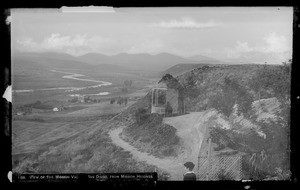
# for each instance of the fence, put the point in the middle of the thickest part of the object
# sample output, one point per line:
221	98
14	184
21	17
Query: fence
220	166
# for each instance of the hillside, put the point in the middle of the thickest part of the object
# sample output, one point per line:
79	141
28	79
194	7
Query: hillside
252	104
72	142
245	107
180	69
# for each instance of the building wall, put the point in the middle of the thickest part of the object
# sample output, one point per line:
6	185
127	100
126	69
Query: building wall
172	97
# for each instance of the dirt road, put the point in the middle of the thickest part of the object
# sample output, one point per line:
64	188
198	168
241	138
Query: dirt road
169	165
190	128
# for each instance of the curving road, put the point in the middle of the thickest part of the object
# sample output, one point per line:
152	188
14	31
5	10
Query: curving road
190	128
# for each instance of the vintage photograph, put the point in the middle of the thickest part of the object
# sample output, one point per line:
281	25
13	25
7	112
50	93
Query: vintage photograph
189	93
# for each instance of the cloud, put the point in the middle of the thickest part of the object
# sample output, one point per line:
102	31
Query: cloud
76	44
185	23
273	44
276	43
239	49
28	43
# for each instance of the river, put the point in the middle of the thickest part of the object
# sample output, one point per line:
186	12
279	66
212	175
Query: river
73	76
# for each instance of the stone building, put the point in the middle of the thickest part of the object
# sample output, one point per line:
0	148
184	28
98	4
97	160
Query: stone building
161	95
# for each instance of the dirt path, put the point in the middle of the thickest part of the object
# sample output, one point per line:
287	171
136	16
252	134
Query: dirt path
190	128
169	165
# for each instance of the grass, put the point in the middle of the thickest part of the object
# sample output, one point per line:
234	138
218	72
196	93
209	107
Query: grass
85	154
66	143
75	139
153	136
32	131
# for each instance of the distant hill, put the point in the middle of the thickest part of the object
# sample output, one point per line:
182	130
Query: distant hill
28	62
95	58
201	59
63	56
122	61
180	69
141	61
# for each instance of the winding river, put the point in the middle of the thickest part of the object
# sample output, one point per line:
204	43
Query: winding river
73	76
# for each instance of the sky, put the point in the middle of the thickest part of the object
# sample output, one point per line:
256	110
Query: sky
225	33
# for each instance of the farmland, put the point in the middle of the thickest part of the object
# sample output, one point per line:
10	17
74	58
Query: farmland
42	134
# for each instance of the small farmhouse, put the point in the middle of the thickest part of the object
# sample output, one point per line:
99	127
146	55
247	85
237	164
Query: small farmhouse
60	108
20	113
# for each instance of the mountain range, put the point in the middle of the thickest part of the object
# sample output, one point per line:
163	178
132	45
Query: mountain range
122	61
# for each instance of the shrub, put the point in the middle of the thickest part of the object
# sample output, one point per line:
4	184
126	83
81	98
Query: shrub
168	152
141	115
112	101
162	176
190	86
223	103
124	89
232	93
222	176
275	79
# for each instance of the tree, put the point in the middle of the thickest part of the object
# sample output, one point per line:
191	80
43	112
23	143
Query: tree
231	93
276	79
259	81
127	83
282	83
223	103
171	82
190	87
112	101
120	101
141	115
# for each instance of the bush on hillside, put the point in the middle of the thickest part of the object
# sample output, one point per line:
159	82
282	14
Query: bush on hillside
190	86
160	137
264	153
112	101
232	93
272	81
141	115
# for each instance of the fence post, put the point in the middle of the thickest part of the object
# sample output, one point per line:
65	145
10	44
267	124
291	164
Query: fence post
209	159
